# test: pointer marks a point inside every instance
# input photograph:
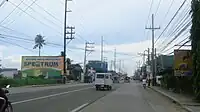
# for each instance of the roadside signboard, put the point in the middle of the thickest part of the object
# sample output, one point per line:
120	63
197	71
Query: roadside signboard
51	66
182	63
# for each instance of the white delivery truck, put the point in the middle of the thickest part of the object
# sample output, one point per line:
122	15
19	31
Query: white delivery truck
103	80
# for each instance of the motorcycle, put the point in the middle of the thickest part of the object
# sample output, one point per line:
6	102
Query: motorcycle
8	104
144	85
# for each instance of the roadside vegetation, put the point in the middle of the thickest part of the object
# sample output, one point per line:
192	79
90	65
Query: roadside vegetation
26	81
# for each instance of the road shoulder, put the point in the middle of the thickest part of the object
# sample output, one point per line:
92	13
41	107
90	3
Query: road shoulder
180	100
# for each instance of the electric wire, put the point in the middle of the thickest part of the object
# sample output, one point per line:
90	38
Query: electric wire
21	12
11	12
171	4
36	19
171	20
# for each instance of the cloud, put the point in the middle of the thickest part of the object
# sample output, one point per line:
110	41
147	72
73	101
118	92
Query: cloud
122	23
128	53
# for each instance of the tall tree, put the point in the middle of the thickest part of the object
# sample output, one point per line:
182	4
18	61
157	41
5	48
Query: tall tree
195	41
39	42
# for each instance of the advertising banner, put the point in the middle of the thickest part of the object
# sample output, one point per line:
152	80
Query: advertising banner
182	63
47	66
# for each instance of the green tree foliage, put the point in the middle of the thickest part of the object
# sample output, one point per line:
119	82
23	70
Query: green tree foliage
195	41
39	42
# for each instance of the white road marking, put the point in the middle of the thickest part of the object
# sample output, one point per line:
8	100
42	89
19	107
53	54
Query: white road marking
152	106
48	96
79	108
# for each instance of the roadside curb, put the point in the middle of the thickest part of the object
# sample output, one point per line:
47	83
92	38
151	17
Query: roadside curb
173	99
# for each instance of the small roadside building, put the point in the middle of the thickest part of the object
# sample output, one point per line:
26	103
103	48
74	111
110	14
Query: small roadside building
9	72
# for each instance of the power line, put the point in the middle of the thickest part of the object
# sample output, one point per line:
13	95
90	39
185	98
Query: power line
48	13
179	33
177	26
178	43
42	14
20	13
32	40
174	32
149	12
2	2
184	15
177	30
15	31
181	46
158	7
16	45
81	37
171	20
180	24
167	12
36	19
11	12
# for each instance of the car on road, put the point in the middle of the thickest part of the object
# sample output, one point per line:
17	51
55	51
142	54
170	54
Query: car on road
103	81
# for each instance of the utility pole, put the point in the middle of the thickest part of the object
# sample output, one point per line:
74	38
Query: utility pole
155	62
144	58
115	60
148	57
87	46
120	65
65	33
111	62
101	48
152	28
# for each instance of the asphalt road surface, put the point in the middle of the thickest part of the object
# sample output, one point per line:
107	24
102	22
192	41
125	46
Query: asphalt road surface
132	97
56	99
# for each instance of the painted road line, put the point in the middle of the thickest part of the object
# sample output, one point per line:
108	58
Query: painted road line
80	107
48	96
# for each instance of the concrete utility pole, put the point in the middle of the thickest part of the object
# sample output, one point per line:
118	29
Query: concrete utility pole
115	60
155	63
120	65
144	56
87	46
68	38
152	28
65	30
148	57
111	65
101	48
102	60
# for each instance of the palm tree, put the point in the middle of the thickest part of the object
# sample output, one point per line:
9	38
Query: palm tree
39	42
195	41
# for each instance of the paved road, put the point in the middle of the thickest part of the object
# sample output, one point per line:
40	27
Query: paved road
56	99
34	89
133	98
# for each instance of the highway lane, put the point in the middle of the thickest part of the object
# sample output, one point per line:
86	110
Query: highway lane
56	100
132	97
15	90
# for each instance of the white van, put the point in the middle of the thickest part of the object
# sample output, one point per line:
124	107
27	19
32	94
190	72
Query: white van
103	80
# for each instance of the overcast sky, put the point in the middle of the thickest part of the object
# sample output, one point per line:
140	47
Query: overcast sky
121	23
